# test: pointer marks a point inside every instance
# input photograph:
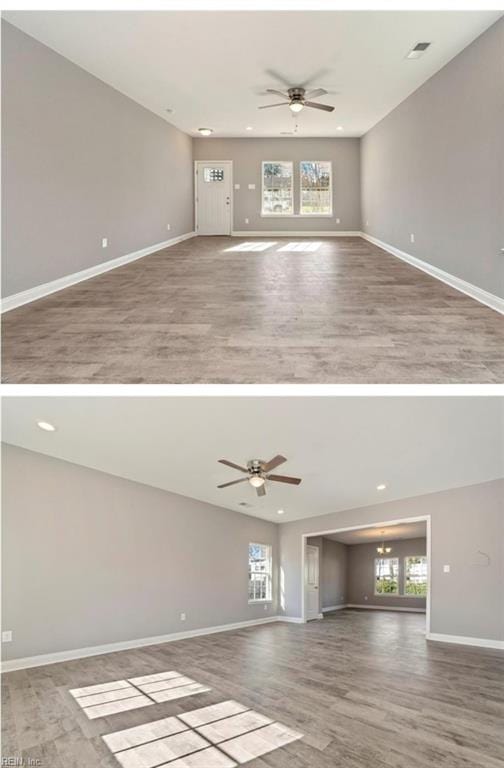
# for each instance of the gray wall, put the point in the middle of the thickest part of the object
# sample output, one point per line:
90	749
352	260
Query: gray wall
80	161
435	167
90	559
332	571
247	156
361	579
468	600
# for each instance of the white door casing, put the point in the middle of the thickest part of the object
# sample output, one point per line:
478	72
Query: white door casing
312	582
213	197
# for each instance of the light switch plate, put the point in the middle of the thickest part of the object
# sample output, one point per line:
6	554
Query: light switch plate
251	186
446	569
237	186
7	636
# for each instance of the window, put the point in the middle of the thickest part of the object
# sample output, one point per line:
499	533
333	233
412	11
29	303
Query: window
213	174
259	572
316	188
277	192
415	576
386	576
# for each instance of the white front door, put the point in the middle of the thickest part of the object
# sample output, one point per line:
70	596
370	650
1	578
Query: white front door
213	198
312	582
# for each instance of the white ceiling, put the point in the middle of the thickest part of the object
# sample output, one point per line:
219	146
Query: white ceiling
212	67
341	447
416	530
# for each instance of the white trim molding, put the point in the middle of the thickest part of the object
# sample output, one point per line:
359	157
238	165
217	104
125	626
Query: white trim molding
45	289
98	650
295	233
334	608
291	619
484	297
479	642
386	608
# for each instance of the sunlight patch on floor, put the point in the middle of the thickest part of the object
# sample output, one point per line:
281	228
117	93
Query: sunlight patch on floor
250	247
304	247
222	735
122	695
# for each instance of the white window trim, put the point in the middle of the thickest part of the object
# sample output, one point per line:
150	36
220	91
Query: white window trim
388	594
413	597
315	215
270	548
277	215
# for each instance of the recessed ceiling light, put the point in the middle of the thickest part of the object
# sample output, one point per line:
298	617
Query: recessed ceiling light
339	128
205	131
249	128
381	487
46	426
168	110
281	512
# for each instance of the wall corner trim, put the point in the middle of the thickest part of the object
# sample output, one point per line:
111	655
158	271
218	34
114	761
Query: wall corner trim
45	289
484	297
479	642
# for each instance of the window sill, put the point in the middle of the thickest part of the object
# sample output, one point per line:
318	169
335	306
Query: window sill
253	602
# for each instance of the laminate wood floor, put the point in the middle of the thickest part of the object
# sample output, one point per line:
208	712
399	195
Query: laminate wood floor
199	312
363	688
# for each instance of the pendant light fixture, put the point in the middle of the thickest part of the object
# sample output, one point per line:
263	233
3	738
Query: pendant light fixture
383	550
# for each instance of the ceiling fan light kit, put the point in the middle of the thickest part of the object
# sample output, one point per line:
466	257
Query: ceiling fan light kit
258	472
297	98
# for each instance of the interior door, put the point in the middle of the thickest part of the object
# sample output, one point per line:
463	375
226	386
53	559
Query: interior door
213	198
312	582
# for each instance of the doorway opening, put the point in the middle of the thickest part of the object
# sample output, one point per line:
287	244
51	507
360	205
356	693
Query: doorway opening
376	566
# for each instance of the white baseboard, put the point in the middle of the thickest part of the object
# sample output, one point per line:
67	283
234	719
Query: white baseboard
297	233
98	650
334	608
386	608
484	297
39	291
479	642
291	619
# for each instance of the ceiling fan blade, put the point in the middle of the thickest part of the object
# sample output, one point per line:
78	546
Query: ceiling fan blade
314	105
284	479
261	491
279	93
268	106
234	466
233	482
315	93
274	462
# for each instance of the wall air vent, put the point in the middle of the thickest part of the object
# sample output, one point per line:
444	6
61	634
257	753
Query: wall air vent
417	51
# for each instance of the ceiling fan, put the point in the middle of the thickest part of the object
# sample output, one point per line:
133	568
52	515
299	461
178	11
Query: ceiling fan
257	472
297	98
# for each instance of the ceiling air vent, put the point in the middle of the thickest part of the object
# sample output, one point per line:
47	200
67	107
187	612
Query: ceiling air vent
417	51
244	504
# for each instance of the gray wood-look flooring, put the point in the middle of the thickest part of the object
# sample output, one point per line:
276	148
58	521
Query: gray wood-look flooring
199	312
364	688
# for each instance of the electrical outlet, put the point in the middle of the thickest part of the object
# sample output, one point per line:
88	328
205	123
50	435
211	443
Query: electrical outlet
104	242
338	221
7	636
367	223
168	227
412	238
246	221
182	617
365	597
446	569
266	607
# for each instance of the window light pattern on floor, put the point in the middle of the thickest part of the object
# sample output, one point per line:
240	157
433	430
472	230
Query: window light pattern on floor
122	695
300	247
219	736
250	247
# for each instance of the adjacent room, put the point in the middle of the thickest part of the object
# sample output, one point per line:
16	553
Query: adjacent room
206	582
193	197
